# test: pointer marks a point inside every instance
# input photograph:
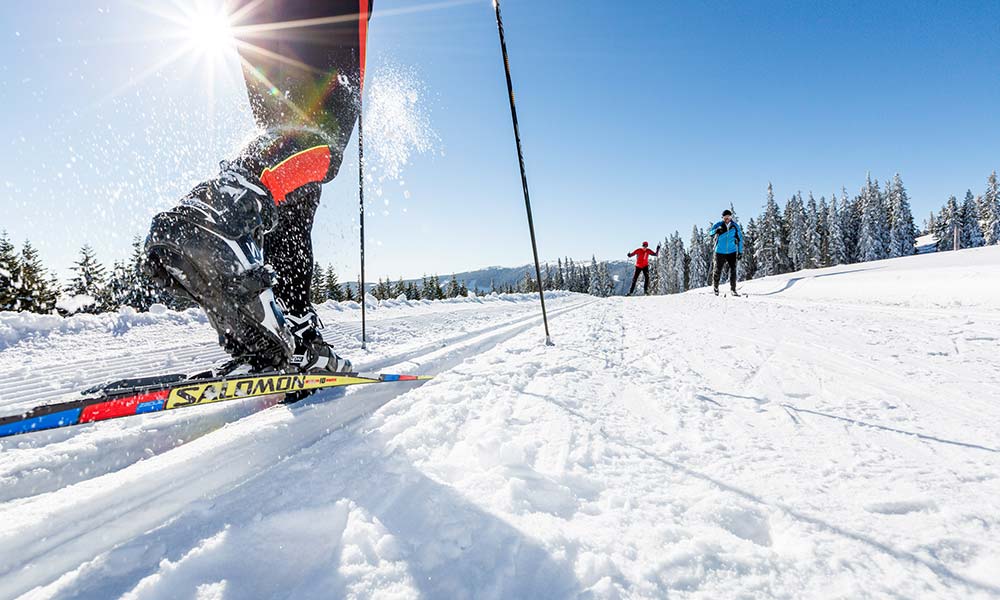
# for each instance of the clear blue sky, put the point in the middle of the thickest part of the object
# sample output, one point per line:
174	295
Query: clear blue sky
637	119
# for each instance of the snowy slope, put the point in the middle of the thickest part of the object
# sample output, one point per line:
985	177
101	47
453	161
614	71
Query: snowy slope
834	434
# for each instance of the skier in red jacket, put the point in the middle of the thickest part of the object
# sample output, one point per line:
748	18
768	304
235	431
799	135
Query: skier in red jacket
642	265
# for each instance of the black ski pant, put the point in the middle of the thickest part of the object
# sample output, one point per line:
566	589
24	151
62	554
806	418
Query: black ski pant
635	278
303	88
723	260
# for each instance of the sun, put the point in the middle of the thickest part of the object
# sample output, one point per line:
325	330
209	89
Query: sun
209	31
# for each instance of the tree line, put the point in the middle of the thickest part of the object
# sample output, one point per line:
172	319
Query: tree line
874	224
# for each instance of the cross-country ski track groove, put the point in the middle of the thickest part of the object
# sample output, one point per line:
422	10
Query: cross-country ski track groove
153	491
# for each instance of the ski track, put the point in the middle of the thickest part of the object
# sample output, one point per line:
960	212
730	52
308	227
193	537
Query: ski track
102	492
782	445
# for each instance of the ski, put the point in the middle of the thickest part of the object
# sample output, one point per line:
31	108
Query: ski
120	399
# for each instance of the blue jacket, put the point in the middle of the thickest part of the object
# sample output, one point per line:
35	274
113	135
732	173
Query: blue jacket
730	241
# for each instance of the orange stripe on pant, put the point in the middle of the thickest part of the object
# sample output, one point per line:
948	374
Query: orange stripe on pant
308	166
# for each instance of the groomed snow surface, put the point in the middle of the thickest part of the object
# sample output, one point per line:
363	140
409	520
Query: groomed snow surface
835	434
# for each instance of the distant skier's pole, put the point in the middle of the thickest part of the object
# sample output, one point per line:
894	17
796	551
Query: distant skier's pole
524	178
361	209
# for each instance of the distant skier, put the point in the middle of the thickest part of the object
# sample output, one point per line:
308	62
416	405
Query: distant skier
642	265
728	249
240	245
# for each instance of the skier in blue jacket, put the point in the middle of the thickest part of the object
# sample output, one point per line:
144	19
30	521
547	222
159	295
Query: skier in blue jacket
728	249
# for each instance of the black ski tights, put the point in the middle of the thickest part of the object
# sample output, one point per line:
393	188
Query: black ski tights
645	281
288	248
724	259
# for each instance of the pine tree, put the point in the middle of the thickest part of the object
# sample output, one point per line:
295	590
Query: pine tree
971	234
850	224
10	273
89	279
699	272
595	288
837	249
317	286
823	231
749	254
333	291
453	287
349	293
989	213
141	292
873	238
948	220
902	233
770	249
813	241
35	292
560	279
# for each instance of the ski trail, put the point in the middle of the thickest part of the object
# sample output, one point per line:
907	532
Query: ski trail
26	470
153	491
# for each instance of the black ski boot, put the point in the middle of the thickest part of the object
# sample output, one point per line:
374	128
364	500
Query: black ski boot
716	290
208	249
312	354
735	293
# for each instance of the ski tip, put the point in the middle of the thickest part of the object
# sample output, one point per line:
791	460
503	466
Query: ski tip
399	377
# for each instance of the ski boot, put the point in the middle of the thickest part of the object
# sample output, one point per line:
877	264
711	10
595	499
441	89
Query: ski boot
208	249
312	354
716	290
735	293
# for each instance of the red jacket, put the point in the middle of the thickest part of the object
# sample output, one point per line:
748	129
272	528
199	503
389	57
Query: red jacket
642	256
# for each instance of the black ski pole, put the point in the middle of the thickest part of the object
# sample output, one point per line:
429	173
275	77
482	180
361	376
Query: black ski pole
361	203
524	178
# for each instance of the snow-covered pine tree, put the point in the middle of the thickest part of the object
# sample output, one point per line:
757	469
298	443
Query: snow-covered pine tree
902	233
317	287
10	273
88	280
971	234
850	224
560	278
749	251
812	255
770	249
823	231
835	221
605	285
333	290
549	280
948	219
453	287
678	262
35	292
874	232
796	234
989	214
699	273
142	292
594	289
412	291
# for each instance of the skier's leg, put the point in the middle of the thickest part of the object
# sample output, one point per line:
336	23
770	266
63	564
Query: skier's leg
645	280
717	271
635	278
731	259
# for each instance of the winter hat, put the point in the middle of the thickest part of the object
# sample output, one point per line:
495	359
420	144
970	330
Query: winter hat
645	244
727	213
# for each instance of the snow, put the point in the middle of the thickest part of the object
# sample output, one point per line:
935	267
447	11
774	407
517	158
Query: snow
833	434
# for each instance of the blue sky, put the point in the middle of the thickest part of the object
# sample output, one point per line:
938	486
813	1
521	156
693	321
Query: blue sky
635	121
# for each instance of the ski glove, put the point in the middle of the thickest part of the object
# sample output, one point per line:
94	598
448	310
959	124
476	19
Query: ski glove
739	256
